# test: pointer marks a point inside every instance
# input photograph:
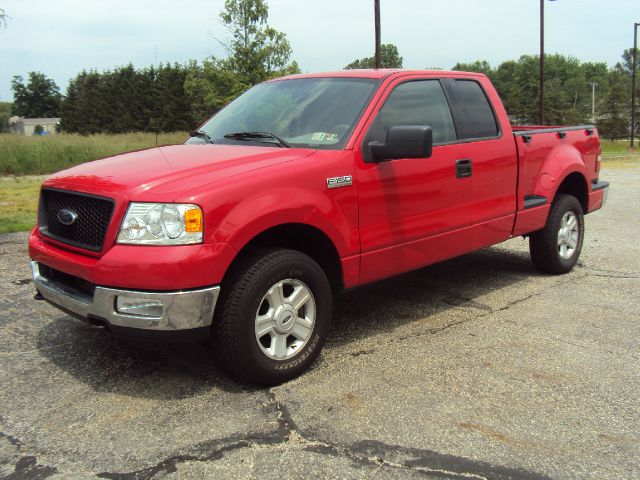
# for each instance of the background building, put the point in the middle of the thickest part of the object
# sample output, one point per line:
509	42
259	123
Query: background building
28	126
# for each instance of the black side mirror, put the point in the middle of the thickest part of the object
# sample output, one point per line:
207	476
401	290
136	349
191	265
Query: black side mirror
407	141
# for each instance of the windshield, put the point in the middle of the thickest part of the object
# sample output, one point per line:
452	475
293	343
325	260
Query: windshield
305	112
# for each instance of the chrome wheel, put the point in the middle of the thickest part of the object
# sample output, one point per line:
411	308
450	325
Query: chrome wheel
285	319
568	235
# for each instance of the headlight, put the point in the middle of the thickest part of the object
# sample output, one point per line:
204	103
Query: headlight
161	224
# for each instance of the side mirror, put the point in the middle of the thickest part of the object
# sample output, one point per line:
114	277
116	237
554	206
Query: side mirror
403	142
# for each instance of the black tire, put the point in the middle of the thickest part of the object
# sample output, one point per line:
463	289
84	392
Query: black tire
544	244
243	294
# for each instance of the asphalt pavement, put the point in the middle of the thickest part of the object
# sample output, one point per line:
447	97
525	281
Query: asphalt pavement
478	367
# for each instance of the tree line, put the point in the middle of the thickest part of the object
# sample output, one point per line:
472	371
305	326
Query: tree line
169	97
573	91
172	97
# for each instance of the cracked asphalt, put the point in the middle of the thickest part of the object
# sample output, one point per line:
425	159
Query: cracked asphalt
478	367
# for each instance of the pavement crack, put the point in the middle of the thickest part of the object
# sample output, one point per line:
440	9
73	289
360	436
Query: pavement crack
27	466
216	449
366	453
11	439
425	462
599	272
518	301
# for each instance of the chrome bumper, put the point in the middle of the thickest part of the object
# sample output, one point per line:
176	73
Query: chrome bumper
182	310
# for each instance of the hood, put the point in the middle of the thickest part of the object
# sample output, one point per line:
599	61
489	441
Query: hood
164	173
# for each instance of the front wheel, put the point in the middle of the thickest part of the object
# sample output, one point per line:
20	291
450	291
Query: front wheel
555	249
274	317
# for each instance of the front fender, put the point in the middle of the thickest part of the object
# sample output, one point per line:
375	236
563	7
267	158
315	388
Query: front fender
288	205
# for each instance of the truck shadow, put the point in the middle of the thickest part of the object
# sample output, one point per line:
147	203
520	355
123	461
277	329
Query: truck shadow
456	283
173	371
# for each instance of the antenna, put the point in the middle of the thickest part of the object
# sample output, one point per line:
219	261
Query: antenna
156	95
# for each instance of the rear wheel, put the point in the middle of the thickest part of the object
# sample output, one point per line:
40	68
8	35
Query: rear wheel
555	249
273	318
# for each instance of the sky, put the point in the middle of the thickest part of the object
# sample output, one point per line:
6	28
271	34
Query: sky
62	37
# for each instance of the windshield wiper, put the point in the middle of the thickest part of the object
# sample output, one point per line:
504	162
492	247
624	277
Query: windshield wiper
201	134
257	135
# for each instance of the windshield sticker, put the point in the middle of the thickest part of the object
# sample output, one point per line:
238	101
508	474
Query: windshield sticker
324	137
318	136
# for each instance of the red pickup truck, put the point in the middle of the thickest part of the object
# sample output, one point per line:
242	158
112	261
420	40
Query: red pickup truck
300	188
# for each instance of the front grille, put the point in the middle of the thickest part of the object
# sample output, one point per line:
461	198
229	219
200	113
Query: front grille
93	215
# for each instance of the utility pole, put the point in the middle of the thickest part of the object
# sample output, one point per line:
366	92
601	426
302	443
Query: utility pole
376	5
593	102
541	80
633	82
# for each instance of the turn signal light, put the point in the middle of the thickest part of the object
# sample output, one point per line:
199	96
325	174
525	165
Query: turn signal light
193	220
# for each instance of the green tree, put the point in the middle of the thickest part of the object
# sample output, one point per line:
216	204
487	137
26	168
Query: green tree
480	66
82	109
567	87
614	123
256	51
5	114
389	58
210	86
627	61
172	110
38	130
40	97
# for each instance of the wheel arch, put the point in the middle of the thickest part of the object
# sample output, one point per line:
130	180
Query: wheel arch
575	184
301	237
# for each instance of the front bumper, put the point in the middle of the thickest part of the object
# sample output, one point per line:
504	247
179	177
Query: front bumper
181	310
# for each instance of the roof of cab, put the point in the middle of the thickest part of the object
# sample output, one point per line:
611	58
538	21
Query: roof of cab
375	73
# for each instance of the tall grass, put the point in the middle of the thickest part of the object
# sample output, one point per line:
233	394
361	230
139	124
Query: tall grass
18	203
22	155
613	148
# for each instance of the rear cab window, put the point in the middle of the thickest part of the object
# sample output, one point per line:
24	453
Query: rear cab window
474	116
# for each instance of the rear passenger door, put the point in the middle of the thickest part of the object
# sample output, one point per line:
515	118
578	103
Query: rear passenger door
492	155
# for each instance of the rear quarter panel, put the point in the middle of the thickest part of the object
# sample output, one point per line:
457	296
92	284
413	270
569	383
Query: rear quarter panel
545	161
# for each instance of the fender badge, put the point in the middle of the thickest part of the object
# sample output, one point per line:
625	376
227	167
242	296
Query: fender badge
335	182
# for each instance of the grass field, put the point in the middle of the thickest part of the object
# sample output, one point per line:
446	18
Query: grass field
22	155
39	155
18	202
617	148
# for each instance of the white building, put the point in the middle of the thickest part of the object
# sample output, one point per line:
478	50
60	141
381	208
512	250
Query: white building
27	126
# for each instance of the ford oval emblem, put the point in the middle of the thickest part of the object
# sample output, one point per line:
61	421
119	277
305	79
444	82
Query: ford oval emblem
67	217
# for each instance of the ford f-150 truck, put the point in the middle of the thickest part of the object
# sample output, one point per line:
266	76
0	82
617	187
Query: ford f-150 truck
300	188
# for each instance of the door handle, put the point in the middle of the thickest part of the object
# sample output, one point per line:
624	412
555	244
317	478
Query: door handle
464	168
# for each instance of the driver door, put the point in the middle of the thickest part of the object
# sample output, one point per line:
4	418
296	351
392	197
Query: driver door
403	202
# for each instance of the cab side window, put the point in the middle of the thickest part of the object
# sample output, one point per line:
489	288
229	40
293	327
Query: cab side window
474	116
418	102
